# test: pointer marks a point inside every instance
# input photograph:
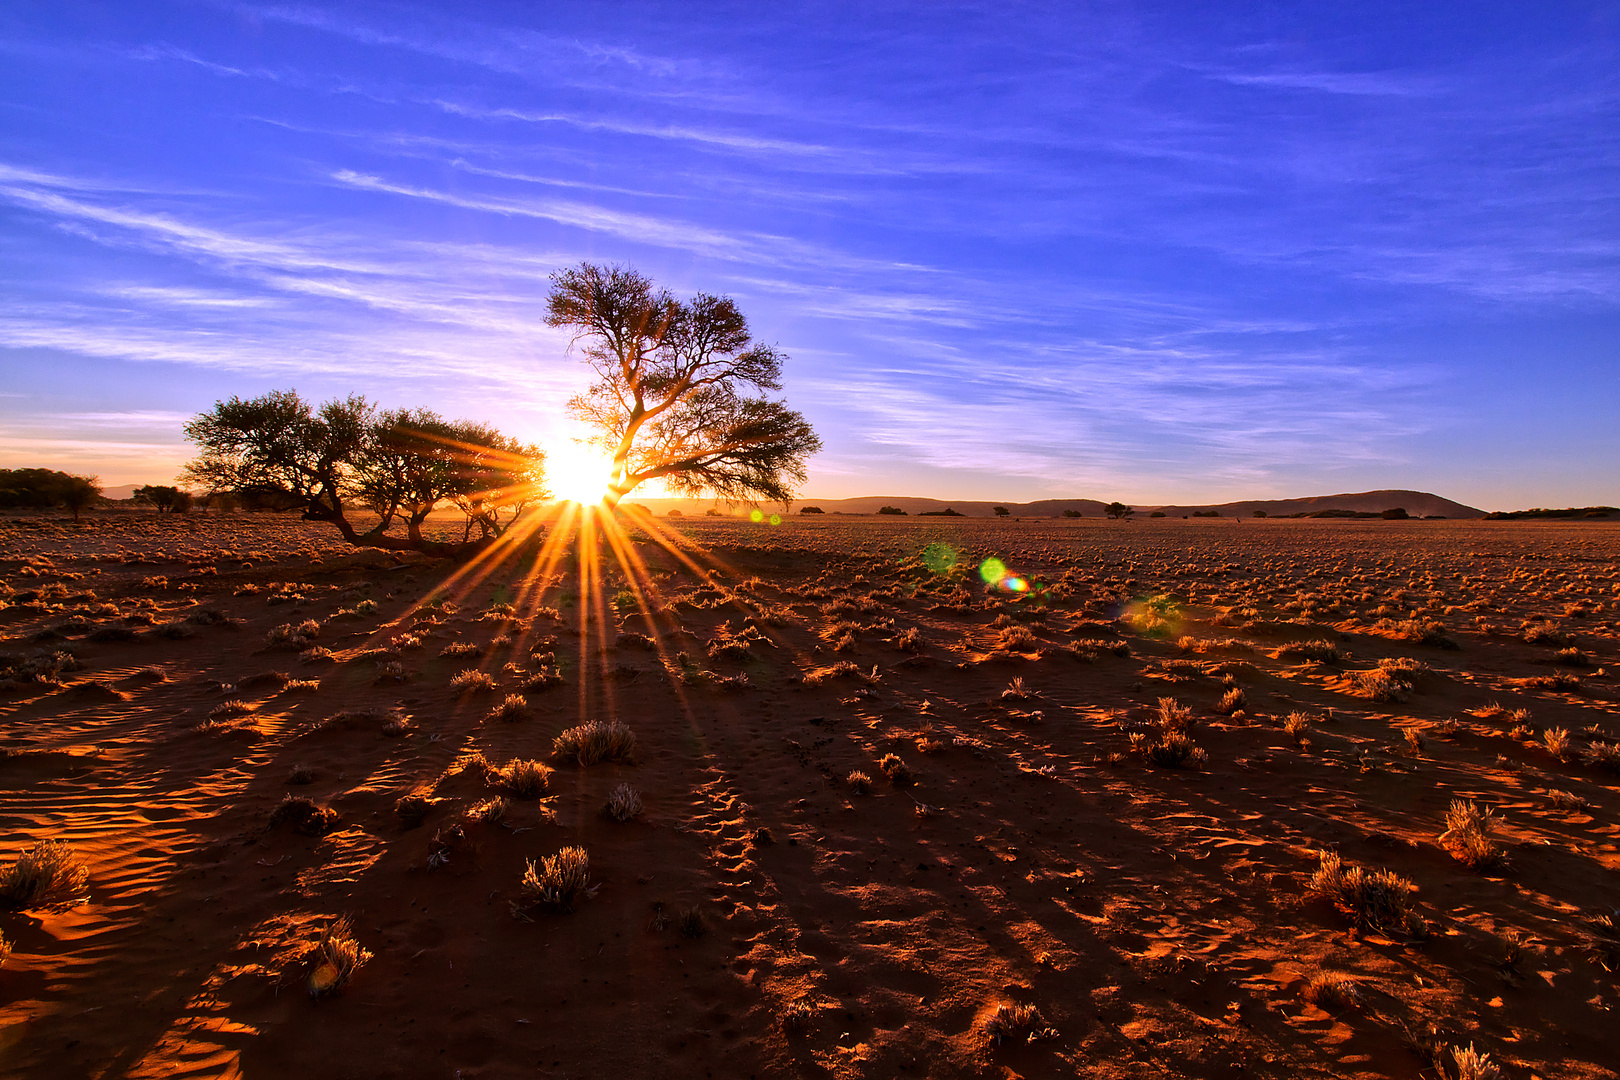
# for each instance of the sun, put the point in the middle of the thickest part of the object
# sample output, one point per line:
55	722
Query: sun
578	472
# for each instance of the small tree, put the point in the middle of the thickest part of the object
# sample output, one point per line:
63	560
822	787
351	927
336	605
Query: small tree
167	500
811	510
891	511
80	493
1001	511
280	452
1117	510
670	400
1071	513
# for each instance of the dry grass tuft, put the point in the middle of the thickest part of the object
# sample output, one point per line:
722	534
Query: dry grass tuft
1023	1023
896	770
523	779
305	815
514	708
624	803
1470	1064
338	956
690	922
596	741
1602	755
412	809
859	782
1318	651
1558	743
1329	990
1231	702
1296	724
1376	900
556	882
472	681
46	877
1377	684
1468	836
488	812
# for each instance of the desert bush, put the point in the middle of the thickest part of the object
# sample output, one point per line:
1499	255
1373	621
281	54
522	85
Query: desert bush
908	640
690	922
1546	633
1019	638
523	778
1566	801
512	709
1231	701
896	770
1174	716
1318	651
926	745
1377	900
1296	724
1023	1023
46	877
1603	755
556	882
460	648
1558	743
291	636
318	655
5	950
305	815
859	782
1468	836
1377	684
548	676
1017	691
624	803
1470	1064
596	741
1171	750
301	774
338	955
412	809
472	681
1329	990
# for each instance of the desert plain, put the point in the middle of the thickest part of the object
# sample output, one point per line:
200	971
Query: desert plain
1115	805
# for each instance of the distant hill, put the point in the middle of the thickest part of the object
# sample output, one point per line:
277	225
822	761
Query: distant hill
1416	503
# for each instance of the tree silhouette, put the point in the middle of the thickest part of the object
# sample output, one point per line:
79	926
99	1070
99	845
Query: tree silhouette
1002	511
1117	510
80	493
278	451
671	398
168	500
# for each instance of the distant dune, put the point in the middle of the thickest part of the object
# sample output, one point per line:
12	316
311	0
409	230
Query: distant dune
1416	503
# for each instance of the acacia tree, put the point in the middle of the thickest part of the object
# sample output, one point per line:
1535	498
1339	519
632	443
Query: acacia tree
671	399
279	451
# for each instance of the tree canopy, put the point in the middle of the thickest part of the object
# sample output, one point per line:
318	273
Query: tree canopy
1117	510
281	452
673	398
42	488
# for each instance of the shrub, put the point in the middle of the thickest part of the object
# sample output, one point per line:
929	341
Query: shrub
1468	836
305	815
1317	651
1473	1065
897	771
289	636
1558	743
524	779
338	956
1019	638
595	741
1296	725
460	648
690	922
859	782
512	709
1231	701
556	882
1376	900
412	809
1329	989
1379	685
1173	715
46	877
1603	755
1022	1022
624	803
473	681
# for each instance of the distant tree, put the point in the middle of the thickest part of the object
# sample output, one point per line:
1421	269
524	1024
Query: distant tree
42	488
892	510
711	512
1117	510
811	510
1159	513
670	402
1072	514
1001	511
80	493
280	452
1259	513
167	500
675	513
1395	514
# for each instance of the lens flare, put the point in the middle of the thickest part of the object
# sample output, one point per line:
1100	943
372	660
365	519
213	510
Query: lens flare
992	570
578	472
939	558
757	516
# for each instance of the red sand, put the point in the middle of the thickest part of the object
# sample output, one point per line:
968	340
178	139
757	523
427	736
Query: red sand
1156	917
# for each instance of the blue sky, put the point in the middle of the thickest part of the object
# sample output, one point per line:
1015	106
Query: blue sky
1155	252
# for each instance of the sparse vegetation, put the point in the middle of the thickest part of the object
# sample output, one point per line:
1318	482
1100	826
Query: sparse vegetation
1468	836
623	804
46	877
557	882
596	741
337	956
1377	900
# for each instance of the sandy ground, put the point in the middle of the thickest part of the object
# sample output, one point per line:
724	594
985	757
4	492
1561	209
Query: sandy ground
762	916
